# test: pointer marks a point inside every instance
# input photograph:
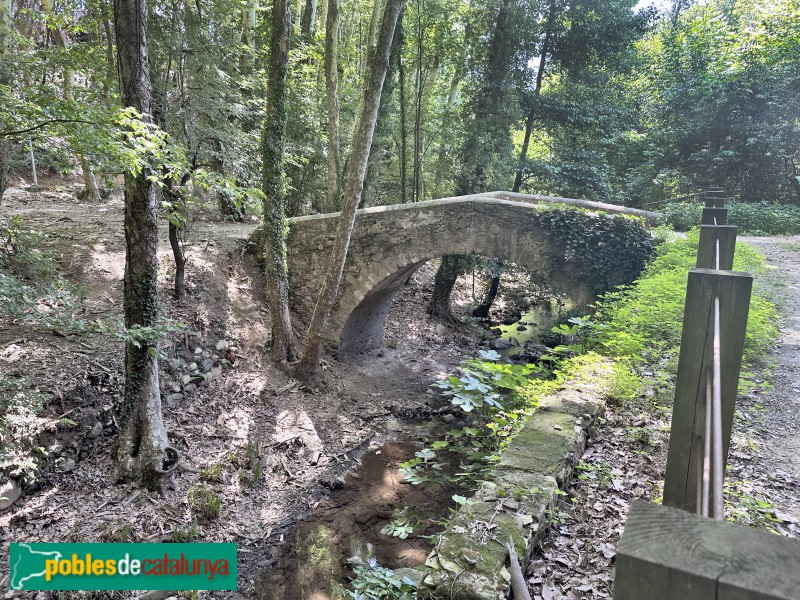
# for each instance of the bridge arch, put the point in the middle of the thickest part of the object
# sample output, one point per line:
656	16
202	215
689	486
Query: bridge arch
389	243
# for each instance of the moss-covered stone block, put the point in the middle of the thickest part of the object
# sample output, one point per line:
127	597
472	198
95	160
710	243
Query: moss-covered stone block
547	445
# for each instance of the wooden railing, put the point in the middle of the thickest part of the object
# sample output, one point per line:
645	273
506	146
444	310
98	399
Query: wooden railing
670	554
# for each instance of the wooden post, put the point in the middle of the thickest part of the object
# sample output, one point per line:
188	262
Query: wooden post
687	436
668	554
715	197
712	214
707	249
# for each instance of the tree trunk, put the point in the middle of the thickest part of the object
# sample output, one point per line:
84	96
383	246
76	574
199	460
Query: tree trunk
6	25
309	18
523	155
276	225
453	265
332	92
401	75
354	184
90	192
143	452
180	264
482	310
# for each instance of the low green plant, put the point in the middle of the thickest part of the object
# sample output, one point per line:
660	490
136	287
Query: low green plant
117	532
211	473
182	535
745	506
205	501
752	218
20	426
380	583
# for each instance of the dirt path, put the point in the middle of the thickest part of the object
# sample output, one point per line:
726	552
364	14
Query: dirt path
778	452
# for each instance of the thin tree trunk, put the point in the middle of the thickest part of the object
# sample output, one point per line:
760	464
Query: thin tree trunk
354	184
482	310
90	193
143	452
373	24
332	92
6	25
529	121
452	266
180	264
401	75
309	18
276	225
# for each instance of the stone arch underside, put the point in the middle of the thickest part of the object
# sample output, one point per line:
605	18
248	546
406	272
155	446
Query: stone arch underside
390	243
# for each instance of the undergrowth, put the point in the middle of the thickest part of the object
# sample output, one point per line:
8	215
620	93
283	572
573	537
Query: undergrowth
752	218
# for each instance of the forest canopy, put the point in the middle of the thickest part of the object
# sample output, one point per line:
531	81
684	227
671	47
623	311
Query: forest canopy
605	100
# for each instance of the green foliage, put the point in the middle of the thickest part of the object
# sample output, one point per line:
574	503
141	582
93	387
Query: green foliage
607	250
205	501
752	218
20	426
485	384
211	473
182	535
643	322
747	506
380	583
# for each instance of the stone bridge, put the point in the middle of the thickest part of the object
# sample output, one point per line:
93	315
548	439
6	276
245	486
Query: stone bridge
390	242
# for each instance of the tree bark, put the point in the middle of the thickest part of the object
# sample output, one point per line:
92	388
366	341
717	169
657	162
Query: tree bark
143	452
482	310
453	265
332	92
276	225
401	75
355	172
309	18
6	23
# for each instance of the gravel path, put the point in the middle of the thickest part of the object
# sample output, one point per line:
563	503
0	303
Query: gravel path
778	452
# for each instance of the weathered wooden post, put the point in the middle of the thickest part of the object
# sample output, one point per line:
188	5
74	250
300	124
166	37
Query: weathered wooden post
668	554
713	237
688	434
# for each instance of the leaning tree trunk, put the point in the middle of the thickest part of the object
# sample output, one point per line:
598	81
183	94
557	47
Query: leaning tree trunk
332	92
355	172
143	452
276	225
482	310
5	79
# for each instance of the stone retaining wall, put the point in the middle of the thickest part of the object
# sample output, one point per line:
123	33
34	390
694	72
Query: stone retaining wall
517	500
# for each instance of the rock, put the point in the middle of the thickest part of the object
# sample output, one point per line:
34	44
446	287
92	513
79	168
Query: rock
192	367
500	344
68	465
448	418
176	387
189	388
521	328
186	379
412	575
9	493
440	330
513	341
215	358
206	353
215	372
96	431
198	350
173	399
208	364
222	345
470	556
